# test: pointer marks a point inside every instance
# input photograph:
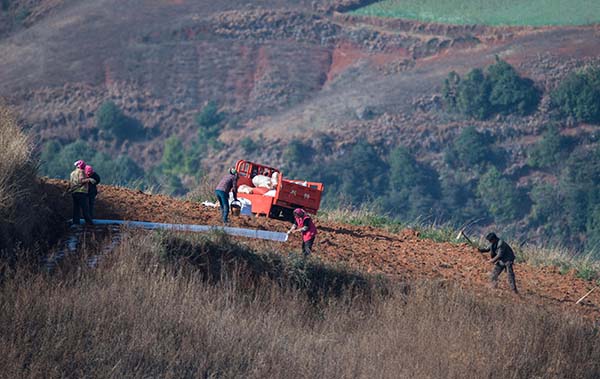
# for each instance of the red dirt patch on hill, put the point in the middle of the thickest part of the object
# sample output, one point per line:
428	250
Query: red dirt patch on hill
403	256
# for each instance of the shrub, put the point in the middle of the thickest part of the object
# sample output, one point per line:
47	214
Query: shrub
360	175
210	115
510	93
172	162
413	186
578	96
499	90
248	145
111	118
473	95
550	151
472	150
500	196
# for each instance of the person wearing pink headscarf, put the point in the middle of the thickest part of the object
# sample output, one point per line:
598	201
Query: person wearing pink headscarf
78	187
305	225
92	188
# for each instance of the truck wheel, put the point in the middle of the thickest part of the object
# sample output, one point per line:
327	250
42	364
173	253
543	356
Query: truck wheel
281	213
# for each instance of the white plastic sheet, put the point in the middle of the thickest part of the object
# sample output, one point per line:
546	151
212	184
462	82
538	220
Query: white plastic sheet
240	232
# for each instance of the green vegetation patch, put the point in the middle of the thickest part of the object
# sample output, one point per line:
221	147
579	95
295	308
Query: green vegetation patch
489	12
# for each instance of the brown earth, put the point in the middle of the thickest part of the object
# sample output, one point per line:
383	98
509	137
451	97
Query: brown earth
402	256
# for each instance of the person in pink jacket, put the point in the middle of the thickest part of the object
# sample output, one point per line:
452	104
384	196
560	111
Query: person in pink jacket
305	225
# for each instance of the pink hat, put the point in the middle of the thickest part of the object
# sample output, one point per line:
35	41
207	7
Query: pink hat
299	212
79	164
89	170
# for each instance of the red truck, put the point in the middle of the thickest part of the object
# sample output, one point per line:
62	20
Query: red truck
287	194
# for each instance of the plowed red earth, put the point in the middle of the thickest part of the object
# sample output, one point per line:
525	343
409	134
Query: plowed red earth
402	256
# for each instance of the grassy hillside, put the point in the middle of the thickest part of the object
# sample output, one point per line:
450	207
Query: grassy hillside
495	12
138	316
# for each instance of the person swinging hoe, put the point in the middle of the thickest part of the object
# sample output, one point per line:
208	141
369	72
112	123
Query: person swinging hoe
304	224
503	258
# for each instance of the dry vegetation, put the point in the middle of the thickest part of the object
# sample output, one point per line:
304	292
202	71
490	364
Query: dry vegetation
139	315
26	218
17	179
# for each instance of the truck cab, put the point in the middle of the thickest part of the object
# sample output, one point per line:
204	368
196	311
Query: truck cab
282	195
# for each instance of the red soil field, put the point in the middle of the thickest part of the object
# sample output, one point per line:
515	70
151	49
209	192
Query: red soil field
400	256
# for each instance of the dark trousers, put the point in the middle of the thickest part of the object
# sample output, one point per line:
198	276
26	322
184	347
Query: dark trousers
81	201
307	246
224	203
498	268
92	204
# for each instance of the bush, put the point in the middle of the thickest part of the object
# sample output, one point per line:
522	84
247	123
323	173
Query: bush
248	145
297	154
550	151
473	95
111	118
500	196
578	96
210	115
360	175
510	93
499	90
473	150
414	186
172	162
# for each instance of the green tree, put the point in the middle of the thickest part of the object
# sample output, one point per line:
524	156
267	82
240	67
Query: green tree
49	157
499	90
248	145
578	96
550	151
414	187
111	118
473	150
500	196
209	115
357	177
511	94
473	98
173	159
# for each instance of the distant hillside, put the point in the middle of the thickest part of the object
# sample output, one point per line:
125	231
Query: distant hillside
296	84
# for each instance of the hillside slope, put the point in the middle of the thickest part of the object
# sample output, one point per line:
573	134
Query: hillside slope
402	256
284	69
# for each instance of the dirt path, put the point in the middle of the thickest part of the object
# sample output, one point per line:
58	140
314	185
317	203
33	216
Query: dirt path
402	255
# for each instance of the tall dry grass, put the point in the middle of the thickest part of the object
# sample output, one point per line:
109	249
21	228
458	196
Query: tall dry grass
136	316
26	218
17	178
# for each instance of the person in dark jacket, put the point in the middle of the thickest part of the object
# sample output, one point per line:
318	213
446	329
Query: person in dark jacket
92	188
305	225
227	184
503	258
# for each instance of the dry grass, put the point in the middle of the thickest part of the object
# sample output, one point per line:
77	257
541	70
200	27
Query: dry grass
137	316
17	179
